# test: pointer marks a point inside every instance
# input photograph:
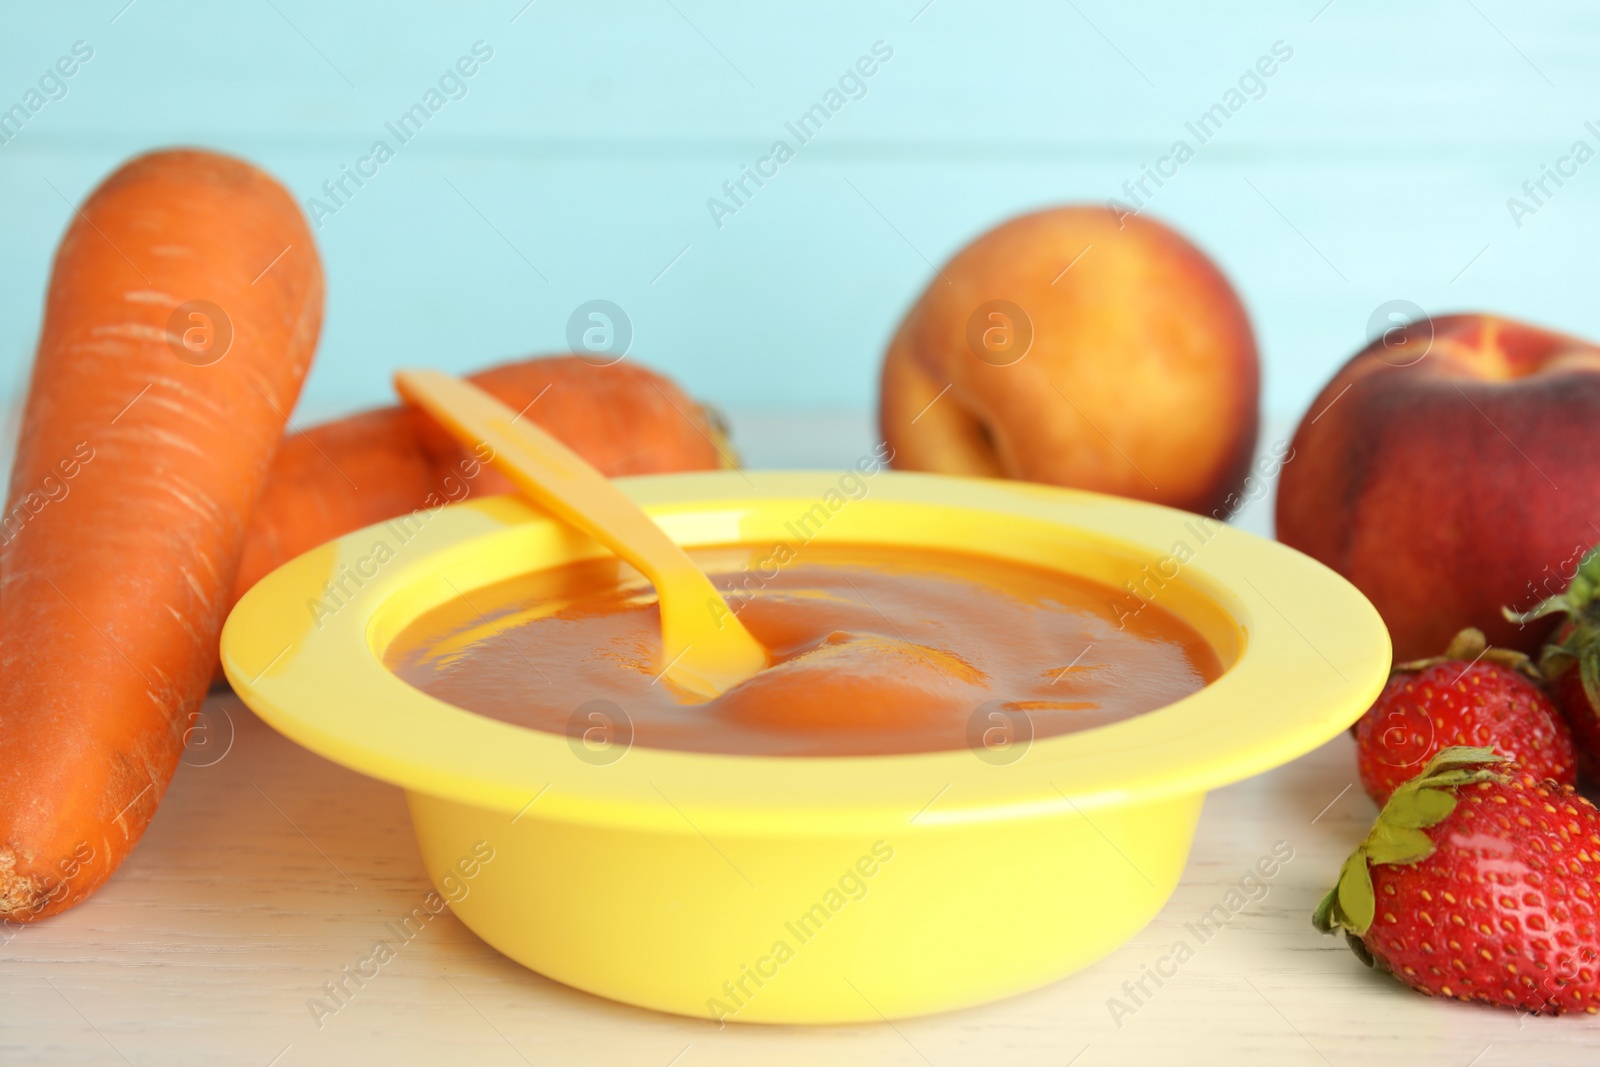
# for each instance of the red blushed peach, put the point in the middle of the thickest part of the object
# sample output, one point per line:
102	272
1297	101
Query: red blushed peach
1076	348
1449	470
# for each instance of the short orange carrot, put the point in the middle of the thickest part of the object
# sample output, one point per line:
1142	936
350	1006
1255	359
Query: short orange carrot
377	465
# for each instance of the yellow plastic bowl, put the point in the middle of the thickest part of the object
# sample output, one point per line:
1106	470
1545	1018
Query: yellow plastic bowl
811	890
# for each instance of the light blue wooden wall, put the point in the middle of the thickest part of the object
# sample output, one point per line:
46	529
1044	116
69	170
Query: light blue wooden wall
1376	166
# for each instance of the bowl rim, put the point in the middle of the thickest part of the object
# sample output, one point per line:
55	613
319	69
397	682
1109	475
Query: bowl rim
1312	654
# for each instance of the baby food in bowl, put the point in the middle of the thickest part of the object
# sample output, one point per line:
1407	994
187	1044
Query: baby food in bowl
874	650
833	839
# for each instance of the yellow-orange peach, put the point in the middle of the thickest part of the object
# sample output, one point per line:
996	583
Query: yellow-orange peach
1077	348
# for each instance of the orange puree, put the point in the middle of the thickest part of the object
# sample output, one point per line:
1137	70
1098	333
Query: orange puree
874	651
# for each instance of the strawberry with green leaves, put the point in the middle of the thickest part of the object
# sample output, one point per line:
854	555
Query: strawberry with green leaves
1477	885
1572	663
1472	695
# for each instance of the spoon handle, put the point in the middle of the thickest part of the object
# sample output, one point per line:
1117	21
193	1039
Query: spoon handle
705	648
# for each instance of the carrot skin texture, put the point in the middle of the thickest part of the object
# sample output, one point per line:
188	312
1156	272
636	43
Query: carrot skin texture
337	477
116	587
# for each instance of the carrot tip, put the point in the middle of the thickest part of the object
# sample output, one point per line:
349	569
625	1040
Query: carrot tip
20	899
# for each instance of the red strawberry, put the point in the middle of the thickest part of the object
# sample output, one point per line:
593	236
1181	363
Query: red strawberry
1472	695
1573	662
1474	884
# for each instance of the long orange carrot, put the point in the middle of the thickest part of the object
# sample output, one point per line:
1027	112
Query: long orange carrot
380	464
181	318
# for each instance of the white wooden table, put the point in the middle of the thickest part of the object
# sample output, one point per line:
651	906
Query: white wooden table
270	869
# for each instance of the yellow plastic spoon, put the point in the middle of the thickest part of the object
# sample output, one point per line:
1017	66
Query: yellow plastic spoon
705	649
